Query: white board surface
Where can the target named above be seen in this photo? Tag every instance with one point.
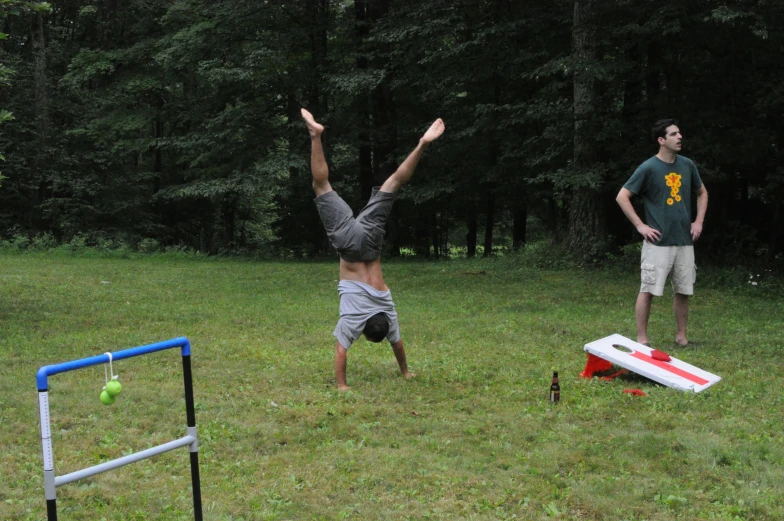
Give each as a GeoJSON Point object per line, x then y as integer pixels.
{"type": "Point", "coordinates": [636, 357]}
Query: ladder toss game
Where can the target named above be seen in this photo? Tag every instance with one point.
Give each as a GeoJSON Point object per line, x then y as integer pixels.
{"type": "Point", "coordinates": [190, 440]}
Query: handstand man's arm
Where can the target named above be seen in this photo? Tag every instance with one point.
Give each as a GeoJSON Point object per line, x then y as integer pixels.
{"type": "Point", "coordinates": [341, 361]}
{"type": "Point", "coordinates": [400, 356]}
{"type": "Point", "coordinates": [407, 167]}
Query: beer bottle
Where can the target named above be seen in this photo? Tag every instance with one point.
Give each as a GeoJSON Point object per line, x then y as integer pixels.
{"type": "Point", "coordinates": [555, 389]}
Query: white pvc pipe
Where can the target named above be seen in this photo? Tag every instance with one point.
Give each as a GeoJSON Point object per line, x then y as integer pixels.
{"type": "Point", "coordinates": [125, 460]}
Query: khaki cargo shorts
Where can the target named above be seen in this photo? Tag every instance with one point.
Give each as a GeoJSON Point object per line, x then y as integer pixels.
{"type": "Point", "coordinates": [659, 261]}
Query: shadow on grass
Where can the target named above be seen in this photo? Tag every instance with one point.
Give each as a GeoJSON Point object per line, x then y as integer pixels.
{"type": "Point", "coordinates": [626, 376]}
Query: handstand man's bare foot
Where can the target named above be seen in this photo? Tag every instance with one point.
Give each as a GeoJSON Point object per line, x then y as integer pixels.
{"type": "Point", "coordinates": [433, 133]}
{"type": "Point", "coordinates": [314, 129]}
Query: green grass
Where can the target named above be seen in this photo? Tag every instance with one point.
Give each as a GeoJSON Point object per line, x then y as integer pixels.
{"type": "Point", "coordinates": [471, 437]}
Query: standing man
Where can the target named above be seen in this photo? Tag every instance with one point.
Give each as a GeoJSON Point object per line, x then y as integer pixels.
{"type": "Point", "coordinates": [665, 182]}
{"type": "Point", "coordinates": [365, 300]}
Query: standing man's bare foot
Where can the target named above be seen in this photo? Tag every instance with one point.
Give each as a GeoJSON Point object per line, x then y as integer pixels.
{"type": "Point", "coordinates": [343, 388]}
{"type": "Point", "coordinates": [314, 129]}
{"type": "Point", "coordinates": [408, 375]}
{"type": "Point", "coordinates": [435, 130]}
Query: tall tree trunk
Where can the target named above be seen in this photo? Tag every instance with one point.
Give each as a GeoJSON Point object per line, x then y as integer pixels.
{"type": "Point", "coordinates": [319, 102]}
{"type": "Point", "coordinates": [377, 133]}
{"type": "Point", "coordinates": [493, 151]}
{"type": "Point", "coordinates": [632, 86]}
{"type": "Point", "coordinates": [422, 232]}
{"type": "Point", "coordinates": [520, 226]}
{"type": "Point", "coordinates": [319, 9]}
{"type": "Point", "coordinates": [586, 223]}
{"type": "Point", "coordinates": [489, 221]}
{"type": "Point", "coordinates": [653, 88]}
{"type": "Point", "coordinates": [384, 130]}
{"type": "Point", "coordinates": [633, 115]}
{"type": "Point", "coordinates": [229, 211]}
{"type": "Point", "coordinates": [384, 134]}
{"type": "Point", "coordinates": [40, 78]}
{"type": "Point", "coordinates": [443, 231]}
{"type": "Point", "coordinates": [471, 234]}
{"type": "Point", "coordinates": [157, 160]}
{"type": "Point", "coordinates": [41, 94]}
{"type": "Point", "coordinates": [361, 29]}
{"type": "Point", "coordinates": [378, 130]}
{"type": "Point", "coordinates": [775, 233]}
{"type": "Point", "coordinates": [366, 181]}
{"type": "Point", "coordinates": [435, 235]}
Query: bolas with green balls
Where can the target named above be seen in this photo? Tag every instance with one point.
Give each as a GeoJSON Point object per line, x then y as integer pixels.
{"type": "Point", "coordinates": [113, 387]}
{"type": "Point", "coordinates": [110, 392]}
{"type": "Point", "coordinates": [106, 398]}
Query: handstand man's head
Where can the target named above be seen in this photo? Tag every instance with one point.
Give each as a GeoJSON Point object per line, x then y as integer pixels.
{"type": "Point", "coordinates": [376, 328]}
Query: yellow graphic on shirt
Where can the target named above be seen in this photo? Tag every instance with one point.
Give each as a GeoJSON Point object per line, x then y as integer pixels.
{"type": "Point", "coordinates": [674, 182]}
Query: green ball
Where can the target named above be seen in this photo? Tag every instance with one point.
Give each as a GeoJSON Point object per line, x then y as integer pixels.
{"type": "Point", "coordinates": [106, 398]}
{"type": "Point", "coordinates": [113, 387]}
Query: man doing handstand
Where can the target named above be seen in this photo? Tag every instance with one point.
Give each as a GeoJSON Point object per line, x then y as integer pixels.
{"type": "Point", "coordinates": [365, 300]}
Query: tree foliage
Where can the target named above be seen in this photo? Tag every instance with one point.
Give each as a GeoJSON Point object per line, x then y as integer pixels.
{"type": "Point", "coordinates": [178, 121]}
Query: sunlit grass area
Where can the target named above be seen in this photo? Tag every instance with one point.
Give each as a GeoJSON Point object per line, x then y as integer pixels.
{"type": "Point", "coordinates": [471, 437]}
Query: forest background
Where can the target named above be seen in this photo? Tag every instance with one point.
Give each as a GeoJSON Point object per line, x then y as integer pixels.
{"type": "Point", "coordinates": [174, 124]}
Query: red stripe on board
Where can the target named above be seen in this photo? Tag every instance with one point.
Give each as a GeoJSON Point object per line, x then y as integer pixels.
{"type": "Point", "coordinates": [667, 367]}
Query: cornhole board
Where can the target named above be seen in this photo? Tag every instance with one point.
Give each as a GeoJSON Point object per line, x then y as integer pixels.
{"type": "Point", "coordinates": [636, 357]}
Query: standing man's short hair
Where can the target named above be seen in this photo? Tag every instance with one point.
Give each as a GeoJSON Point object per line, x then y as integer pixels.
{"type": "Point", "coordinates": [660, 129]}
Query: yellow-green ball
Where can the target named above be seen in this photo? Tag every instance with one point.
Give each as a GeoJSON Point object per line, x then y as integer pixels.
{"type": "Point", "coordinates": [106, 398]}
{"type": "Point", "coordinates": [113, 387]}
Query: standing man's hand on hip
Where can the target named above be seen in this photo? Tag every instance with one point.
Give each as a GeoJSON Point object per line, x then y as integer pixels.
{"type": "Point", "coordinates": [696, 231]}
{"type": "Point", "coordinates": [650, 234]}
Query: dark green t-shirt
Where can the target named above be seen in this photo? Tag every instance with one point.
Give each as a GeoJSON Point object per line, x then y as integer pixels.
{"type": "Point", "coordinates": [666, 190]}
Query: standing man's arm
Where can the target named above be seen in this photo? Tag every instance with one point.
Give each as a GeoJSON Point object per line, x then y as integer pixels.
{"type": "Point", "coordinates": [624, 201]}
{"type": "Point", "coordinates": [400, 356]}
{"type": "Point", "coordinates": [702, 207]}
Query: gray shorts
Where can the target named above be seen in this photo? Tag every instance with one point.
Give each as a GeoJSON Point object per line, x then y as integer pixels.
{"type": "Point", "coordinates": [356, 239]}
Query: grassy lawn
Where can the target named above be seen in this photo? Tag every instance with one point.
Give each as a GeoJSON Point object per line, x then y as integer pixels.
{"type": "Point", "coordinates": [471, 437]}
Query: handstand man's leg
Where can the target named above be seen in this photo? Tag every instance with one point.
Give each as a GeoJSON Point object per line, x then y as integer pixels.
{"type": "Point", "coordinates": [406, 168]}
{"type": "Point", "coordinates": [318, 164]}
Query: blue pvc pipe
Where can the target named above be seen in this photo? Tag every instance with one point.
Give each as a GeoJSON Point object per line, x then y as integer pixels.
{"type": "Point", "coordinates": [48, 370]}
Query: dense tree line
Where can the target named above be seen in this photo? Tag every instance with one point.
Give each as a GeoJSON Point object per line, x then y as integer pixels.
{"type": "Point", "coordinates": [178, 120]}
